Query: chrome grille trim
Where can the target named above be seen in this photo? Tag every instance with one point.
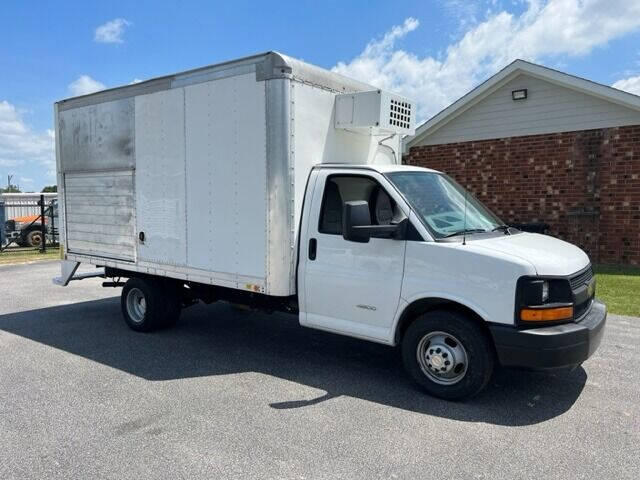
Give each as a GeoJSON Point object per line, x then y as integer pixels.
{"type": "Point", "coordinates": [582, 277]}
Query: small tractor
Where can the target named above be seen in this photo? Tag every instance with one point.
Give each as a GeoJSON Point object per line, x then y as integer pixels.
{"type": "Point", "coordinates": [27, 231]}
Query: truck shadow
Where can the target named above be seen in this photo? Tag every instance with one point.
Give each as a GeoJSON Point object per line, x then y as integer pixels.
{"type": "Point", "coordinates": [218, 340]}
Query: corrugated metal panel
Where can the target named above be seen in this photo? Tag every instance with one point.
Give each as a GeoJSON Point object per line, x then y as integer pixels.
{"type": "Point", "coordinates": [160, 177]}
{"type": "Point", "coordinates": [99, 213]}
{"type": "Point", "coordinates": [226, 171]}
{"type": "Point", "coordinates": [22, 204]}
{"type": "Point", "coordinates": [548, 108]}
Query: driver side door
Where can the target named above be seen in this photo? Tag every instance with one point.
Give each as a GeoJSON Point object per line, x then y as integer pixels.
{"type": "Point", "coordinates": [348, 287]}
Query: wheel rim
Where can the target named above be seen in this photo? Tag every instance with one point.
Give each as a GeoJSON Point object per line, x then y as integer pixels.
{"type": "Point", "coordinates": [136, 305]}
{"type": "Point", "coordinates": [442, 358]}
{"type": "Point", "coordinates": [36, 240]}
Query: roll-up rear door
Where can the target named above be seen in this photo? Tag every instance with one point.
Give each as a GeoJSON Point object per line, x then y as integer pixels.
{"type": "Point", "coordinates": [99, 214]}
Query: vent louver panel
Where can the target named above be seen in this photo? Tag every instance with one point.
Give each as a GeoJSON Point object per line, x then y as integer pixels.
{"type": "Point", "coordinates": [400, 114]}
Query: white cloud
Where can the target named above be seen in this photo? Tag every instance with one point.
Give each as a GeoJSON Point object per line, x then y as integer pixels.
{"type": "Point", "coordinates": [548, 29]}
{"type": "Point", "coordinates": [112, 31]}
{"type": "Point", "coordinates": [20, 144]}
{"type": "Point", "coordinates": [84, 85]}
{"type": "Point", "coordinates": [631, 85]}
{"type": "Point", "coordinates": [464, 12]}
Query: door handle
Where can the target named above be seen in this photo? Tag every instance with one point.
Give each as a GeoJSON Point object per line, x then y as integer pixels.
{"type": "Point", "coordinates": [313, 247]}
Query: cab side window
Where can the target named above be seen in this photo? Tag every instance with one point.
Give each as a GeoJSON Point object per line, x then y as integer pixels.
{"type": "Point", "coordinates": [331, 213]}
{"type": "Point", "coordinates": [346, 188]}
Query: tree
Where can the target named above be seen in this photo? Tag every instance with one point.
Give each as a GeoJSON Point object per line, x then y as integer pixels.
{"type": "Point", "coordinates": [50, 189]}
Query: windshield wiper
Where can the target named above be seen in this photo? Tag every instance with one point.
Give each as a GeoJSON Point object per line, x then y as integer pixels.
{"type": "Point", "coordinates": [504, 228]}
{"type": "Point", "coordinates": [469, 230]}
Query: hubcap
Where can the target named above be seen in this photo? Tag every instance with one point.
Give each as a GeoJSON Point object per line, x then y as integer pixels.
{"type": "Point", "coordinates": [442, 358]}
{"type": "Point", "coordinates": [136, 305]}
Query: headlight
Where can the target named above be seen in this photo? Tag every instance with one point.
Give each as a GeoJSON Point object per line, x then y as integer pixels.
{"type": "Point", "coordinates": [545, 291]}
{"type": "Point", "coordinates": [543, 300]}
{"type": "Point", "coordinates": [9, 225]}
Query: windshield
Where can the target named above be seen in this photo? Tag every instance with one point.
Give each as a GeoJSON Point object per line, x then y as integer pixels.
{"type": "Point", "coordinates": [440, 203]}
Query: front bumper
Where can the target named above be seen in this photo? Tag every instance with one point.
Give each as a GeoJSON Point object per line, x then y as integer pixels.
{"type": "Point", "coordinates": [558, 346]}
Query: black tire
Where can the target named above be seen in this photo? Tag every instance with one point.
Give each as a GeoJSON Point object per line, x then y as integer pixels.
{"type": "Point", "coordinates": [150, 304]}
{"type": "Point", "coordinates": [34, 238]}
{"type": "Point", "coordinates": [460, 338]}
{"type": "Point", "coordinates": [172, 303]}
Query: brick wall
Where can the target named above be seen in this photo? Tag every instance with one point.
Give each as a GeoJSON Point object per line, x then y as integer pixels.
{"type": "Point", "coordinates": [585, 184]}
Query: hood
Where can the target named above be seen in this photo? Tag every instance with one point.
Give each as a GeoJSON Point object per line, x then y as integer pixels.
{"type": "Point", "coordinates": [27, 218]}
{"type": "Point", "coordinates": [548, 255]}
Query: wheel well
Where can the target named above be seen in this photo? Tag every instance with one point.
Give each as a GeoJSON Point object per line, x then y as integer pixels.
{"type": "Point", "coordinates": [425, 305]}
{"type": "Point", "coordinates": [28, 231]}
{"type": "Point", "coordinates": [36, 227]}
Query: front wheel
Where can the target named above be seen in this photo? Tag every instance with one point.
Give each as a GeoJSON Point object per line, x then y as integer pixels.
{"type": "Point", "coordinates": [449, 355]}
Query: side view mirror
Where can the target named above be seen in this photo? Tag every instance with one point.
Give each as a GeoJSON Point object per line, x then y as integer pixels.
{"type": "Point", "coordinates": [355, 216]}
{"type": "Point", "coordinates": [356, 223]}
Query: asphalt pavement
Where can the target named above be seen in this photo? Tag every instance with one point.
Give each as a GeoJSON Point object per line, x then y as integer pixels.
{"type": "Point", "coordinates": [231, 394]}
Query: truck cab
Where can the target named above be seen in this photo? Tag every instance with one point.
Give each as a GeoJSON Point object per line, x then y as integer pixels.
{"type": "Point", "coordinates": [403, 255]}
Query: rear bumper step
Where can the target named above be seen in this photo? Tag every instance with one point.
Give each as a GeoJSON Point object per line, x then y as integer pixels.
{"type": "Point", "coordinates": [68, 269]}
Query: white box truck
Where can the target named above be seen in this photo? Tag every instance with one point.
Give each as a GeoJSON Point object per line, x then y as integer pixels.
{"type": "Point", "coordinates": [278, 185]}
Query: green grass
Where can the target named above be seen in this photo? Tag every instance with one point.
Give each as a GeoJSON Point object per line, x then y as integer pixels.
{"type": "Point", "coordinates": [619, 288]}
{"type": "Point", "coordinates": [26, 255]}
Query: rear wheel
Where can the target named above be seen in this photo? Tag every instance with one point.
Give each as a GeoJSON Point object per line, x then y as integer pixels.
{"type": "Point", "coordinates": [150, 304]}
{"type": "Point", "coordinates": [34, 238]}
{"type": "Point", "coordinates": [449, 355]}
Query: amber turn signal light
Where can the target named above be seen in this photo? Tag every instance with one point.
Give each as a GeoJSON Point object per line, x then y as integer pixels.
{"type": "Point", "coordinates": [546, 314]}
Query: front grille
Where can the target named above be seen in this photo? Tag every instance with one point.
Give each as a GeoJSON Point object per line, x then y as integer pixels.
{"type": "Point", "coordinates": [578, 285]}
{"type": "Point", "coordinates": [581, 278]}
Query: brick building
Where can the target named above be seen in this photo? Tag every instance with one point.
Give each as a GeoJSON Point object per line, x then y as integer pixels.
{"type": "Point", "coordinates": [538, 145]}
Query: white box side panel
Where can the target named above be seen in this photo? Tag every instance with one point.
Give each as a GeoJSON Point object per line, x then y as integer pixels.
{"type": "Point", "coordinates": [99, 214]}
{"type": "Point", "coordinates": [251, 197]}
{"type": "Point", "coordinates": [200, 171]}
{"type": "Point", "coordinates": [160, 177]}
{"type": "Point", "coordinates": [226, 176]}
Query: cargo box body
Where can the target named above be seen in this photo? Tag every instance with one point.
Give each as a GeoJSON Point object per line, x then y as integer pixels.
{"type": "Point", "coordinates": [201, 175]}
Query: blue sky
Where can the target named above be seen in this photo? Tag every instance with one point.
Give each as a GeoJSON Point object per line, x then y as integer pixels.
{"type": "Point", "coordinates": [432, 51]}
